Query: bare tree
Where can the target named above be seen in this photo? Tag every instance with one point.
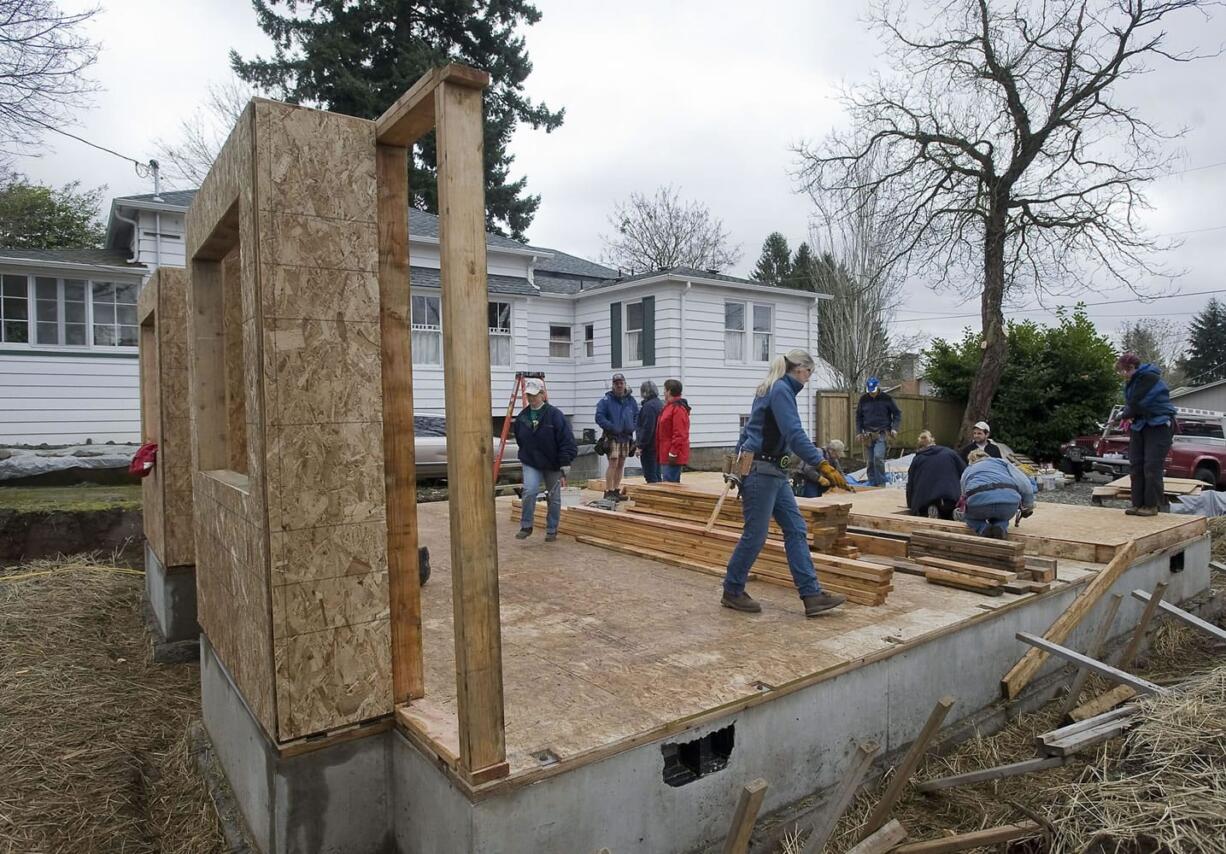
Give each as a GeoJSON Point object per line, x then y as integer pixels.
{"type": "Point", "coordinates": [43, 57]}
{"type": "Point", "coordinates": [1008, 158]}
{"type": "Point", "coordinates": [664, 231]}
{"type": "Point", "coordinates": [201, 136]}
{"type": "Point", "coordinates": [1159, 340]}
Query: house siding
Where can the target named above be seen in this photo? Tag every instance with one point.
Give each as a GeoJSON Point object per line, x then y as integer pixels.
{"type": "Point", "coordinates": [66, 399]}
{"type": "Point", "coordinates": [172, 244]}
{"type": "Point", "coordinates": [1212, 397]}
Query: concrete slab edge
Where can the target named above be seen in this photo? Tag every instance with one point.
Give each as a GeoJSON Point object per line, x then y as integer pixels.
{"type": "Point", "coordinates": [214, 778]}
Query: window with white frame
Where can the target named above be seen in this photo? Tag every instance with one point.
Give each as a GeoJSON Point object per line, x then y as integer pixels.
{"type": "Point", "coordinates": [559, 342]}
{"type": "Point", "coordinates": [634, 333]}
{"type": "Point", "coordinates": [500, 333]}
{"type": "Point", "coordinates": [46, 311]}
{"type": "Point", "coordinates": [749, 331]}
{"type": "Point", "coordinates": [589, 340]}
{"type": "Point", "coordinates": [427, 331]}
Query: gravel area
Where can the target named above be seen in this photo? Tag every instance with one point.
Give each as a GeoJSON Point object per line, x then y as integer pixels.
{"type": "Point", "coordinates": [1077, 493]}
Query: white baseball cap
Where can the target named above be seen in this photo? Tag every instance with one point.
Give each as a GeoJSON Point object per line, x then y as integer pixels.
{"type": "Point", "coordinates": [983, 425]}
{"type": "Point", "coordinates": [533, 386]}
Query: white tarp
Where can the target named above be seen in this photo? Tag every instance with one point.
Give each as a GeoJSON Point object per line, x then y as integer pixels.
{"type": "Point", "coordinates": [27, 462]}
{"type": "Point", "coordinates": [1207, 503]}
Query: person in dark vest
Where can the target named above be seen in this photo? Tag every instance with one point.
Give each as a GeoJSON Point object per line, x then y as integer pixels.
{"type": "Point", "coordinates": [673, 433]}
{"type": "Point", "coordinates": [980, 438]}
{"type": "Point", "coordinates": [772, 432]}
{"type": "Point", "coordinates": [934, 479]}
{"type": "Point", "coordinates": [877, 417]}
{"type": "Point", "coordinates": [617, 414]}
{"type": "Point", "coordinates": [546, 450]}
{"type": "Point", "coordinates": [1150, 419]}
{"type": "Point", "coordinates": [645, 432]}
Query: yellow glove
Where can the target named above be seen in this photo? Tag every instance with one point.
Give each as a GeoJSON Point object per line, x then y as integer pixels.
{"type": "Point", "coordinates": [832, 474]}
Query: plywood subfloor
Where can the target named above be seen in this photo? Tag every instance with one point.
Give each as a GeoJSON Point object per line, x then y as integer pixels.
{"type": "Point", "coordinates": [601, 649]}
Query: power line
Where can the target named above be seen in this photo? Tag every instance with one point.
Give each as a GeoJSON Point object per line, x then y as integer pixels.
{"type": "Point", "coordinates": [140, 166]}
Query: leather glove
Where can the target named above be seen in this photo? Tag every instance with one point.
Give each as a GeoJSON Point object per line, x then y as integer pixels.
{"type": "Point", "coordinates": [833, 475]}
{"type": "Point", "coordinates": [1027, 512]}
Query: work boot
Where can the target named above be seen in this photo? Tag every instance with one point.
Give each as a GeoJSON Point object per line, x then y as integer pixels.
{"type": "Point", "coordinates": [995, 532]}
{"type": "Point", "coordinates": [740, 602]}
{"type": "Point", "coordinates": [523, 534]}
{"type": "Point", "coordinates": [609, 495]}
{"type": "Point", "coordinates": [1147, 511]}
{"type": "Point", "coordinates": [549, 538]}
{"type": "Point", "coordinates": [1132, 511]}
{"type": "Point", "coordinates": [819, 602]}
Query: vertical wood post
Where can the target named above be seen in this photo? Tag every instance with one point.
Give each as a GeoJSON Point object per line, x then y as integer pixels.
{"type": "Point", "coordinates": [466, 377]}
{"type": "Point", "coordinates": [399, 465]}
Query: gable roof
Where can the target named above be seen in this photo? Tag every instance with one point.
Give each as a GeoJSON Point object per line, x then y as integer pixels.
{"type": "Point", "coordinates": [179, 198]}
{"type": "Point", "coordinates": [80, 257]}
{"type": "Point", "coordinates": [428, 277]}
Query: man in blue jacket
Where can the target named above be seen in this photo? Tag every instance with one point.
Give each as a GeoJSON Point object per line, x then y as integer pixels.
{"type": "Point", "coordinates": [995, 490]}
{"type": "Point", "coordinates": [546, 449]}
{"type": "Point", "coordinates": [645, 433]}
{"type": "Point", "coordinates": [877, 415]}
{"type": "Point", "coordinates": [617, 415]}
{"type": "Point", "coordinates": [1147, 405]}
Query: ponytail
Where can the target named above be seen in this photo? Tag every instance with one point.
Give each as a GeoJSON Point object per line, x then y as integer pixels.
{"type": "Point", "coordinates": [780, 365]}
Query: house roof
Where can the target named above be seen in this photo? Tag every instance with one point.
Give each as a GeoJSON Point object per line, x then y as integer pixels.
{"type": "Point", "coordinates": [565, 264]}
{"type": "Point", "coordinates": [428, 277]}
{"type": "Point", "coordinates": [182, 198]}
{"type": "Point", "coordinates": [81, 257]}
{"type": "Point", "coordinates": [1180, 392]}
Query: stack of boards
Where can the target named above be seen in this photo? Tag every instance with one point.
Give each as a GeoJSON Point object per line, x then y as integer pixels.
{"type": "Point", "coordinates": [1172, 487]}
{"type": "Point", "coordinates": [825, 519]}
{"type": "Point", "coordinates": [688, 545]}
{"type": "Point", "coordinates": [978, 563]}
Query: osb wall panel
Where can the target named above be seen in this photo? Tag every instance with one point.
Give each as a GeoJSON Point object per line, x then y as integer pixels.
{"type": "Point", "coordinates": [322, 400]}
{"type": "Point", "coordinates": [174, 454]}
{"type": "Point", "coordinates": [236, 376]}
{"type": "Point", "coordinates": [150, 417]}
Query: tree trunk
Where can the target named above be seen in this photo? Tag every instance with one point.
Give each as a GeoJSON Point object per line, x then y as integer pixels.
{"type": "Point", "coordinates": [995, 341]}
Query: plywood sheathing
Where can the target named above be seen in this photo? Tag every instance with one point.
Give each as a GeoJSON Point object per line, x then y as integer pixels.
{"type": "Point", "coordinates": [167, 492]}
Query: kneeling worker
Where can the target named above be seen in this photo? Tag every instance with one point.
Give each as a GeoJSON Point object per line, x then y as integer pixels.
{"type": "Point", "coordinates": [994, 490]}
{"type": "Point", "coordinates": [815, 481]}
{"type": "Point", "coordinates": [546, 449]}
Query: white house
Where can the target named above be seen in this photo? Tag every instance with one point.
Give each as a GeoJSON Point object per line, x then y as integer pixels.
{"type": "Point", "coordinates": [576, 321]}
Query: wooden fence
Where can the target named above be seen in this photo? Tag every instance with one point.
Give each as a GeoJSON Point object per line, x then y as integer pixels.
{"type": "Point", "coordinates": [836, 411]}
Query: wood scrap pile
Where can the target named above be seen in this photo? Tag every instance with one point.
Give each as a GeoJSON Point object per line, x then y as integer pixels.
{"type": "Point", "coordinates": [686, 544]}
{"type": "Point", "coordinates": [825, 519]}
{"type": "Point", "coordinates": [979, 564]}
{"type": "Point", "coordinates": [1172, 487]}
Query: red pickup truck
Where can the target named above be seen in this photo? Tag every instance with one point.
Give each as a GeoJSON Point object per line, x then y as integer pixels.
{"type": "Point", "coordinates": [1198, 451]}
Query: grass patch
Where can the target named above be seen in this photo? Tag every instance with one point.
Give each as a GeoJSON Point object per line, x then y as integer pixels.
{"type": "Point", "coordinates": [83, 497]}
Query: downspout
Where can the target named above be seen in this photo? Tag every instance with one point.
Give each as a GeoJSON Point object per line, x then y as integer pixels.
{"type": "Point", "coordinates": [688, 285]}
{"type": "Point", "coordinates": [157, 245]}
{"type": "Point", "coordinates": [135, 235]}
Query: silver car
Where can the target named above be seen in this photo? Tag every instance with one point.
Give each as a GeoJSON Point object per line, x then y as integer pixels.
{"type": "Point", "coordinates": [430, 448]}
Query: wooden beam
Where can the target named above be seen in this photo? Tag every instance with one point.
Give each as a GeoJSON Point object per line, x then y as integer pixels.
{"type": "Point", "coordinates": [1102, 703]}
{"type": "Point", "coordinates": [399, 465]}
{"type": "Point", "coordinates": [824, 826]}
{"type": "Point", "coordinates": [881, 813]}
{"type": "Point", "coordinates": [1141, 685]}
{"type": "Point", "coordinates": [1138, 634]}
{"type": "Point", "coordinates": [1095, 651]}
{"type": "Point", "coordinates": [466, 383]}
{"type": "Point", "coordinates": [1183, 616]}
{"type": "Point", "coordinates": [746, 814]}
{"type": "Point", "coordinates": [1082, 735]}
{"type": "Point", "coordinates": [413, 115]}
{"type": "Point", "coordinates": [882, 840]}
{"type": "Point", "coordinates": [975, 839]}
{"type": "Point", "coordinates": [1026, 668]}
{"type": "Point", "coordinates": [1000, 772]}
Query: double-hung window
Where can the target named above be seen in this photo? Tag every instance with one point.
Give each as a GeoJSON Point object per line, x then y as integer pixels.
{"type": "Point", "coordinates": [559, 342]}
{"type": "Point", "coordinates": [749, 330]}
{"type": "Point", "coordinates": [634, 333]}
{"type": "Point", "coordinates": [589, 340]}
{"type": "Point", "coordinates": [46, 311]}
{"type": "Point", "coordinates": [427, 331]}
{"type": "Point", "coordinates": [15, 310]}
{"type": "Point", "coordinates": [763, 331]}
{"type": "Point", "coordinates": [500, 334]}
{"type": "Point", "coordinates": [114, 310]}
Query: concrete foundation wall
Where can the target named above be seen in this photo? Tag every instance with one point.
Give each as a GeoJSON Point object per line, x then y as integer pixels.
{"type": "Point", "coordinates": [380, 794]}
{"type": "Point", "coordinates": [171, 593]}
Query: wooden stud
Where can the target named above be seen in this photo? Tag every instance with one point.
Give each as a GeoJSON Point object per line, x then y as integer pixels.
{"type": "Point", "coordinates": [466, 361]}
{"type": "Point", "coordinates": [413, 114]}
{"type": "Point", "coordinates": [1102, 703]}
{"type": "Point", "coordinates": [824, 826]}
{"type": "Point", "coordinates": [902, 774]}
{"type": "Point", "coordinates": [882, 840]}
{"type": "Point", "coordinates": [746, 814]}
{"type": "Point", "coordinates": [1028, 666]}
{"type": "Point", "coordinates": [1079, 736]}
{"type": "Point", "coordinates": [1095, 651]}
{"type": "Point", "coordinates": [1183, 616]}
{"type": "Point", "coordinates": [975, 839]}
{"type": "Point", "coordinates": [1141, 685]}
{"type": "Point", "coordinates": [1138, 635]}
{"type": "Point", "coordinates": [1000, 772]}
{"type": "Point", "coordinates": [399, 465]}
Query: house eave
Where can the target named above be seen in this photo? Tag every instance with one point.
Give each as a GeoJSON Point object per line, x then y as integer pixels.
{"type": "Point", "coordinates": [136, 273]}
{"type": "Point", "coordinates": [677, 278]}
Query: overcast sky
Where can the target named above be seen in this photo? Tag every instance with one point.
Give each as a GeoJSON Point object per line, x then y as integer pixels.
{"type": "Point", "coordinates": [707, 96]}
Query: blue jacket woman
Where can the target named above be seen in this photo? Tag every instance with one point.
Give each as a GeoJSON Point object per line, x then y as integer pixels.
{"type": "Point", "coordinates": [772, 432]}
{"type": "Point", "coordinates": [1147, 404]}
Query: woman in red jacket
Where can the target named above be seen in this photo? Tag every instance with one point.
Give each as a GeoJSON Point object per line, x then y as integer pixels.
{"type": "Point", "coordinates": [673, 433]}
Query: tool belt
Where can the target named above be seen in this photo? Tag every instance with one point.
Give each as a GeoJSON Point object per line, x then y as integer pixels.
{"type": "Point", "coordinates": [783, 461]}
{"type": "Point", "coordinates": [987, 487]}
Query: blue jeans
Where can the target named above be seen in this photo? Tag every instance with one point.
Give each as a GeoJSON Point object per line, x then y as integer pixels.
{"type": "Point", "coordinates": [670, 473]}
{"type": "Point", "coordinates": [651, 466]}
{"type": "Point", "coordinates": [997, 514]}
{"type": "Point", "coordinates": [533, 478]}
{"type": "Point", "coordinates": [764, 495]}
{"type": "Point", "coordinates": [876, 461]}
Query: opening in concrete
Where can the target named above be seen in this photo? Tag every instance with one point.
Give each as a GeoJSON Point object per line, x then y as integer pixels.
{"type": "Point", "coordinates": [1176, 564]}
{"type": "Point", "coordinates": [688, 761]}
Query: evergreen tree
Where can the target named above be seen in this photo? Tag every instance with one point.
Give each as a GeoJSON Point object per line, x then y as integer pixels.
{"type": "Point", "coordinates": [1206, 359]}
{"type": "Point", "coordinates": [804, 274]}
{"type": "Point", "coordinates": [774, 264]}
{"type": "Point", "coordinates": [358, 58]}
{"type": "Point", "coordinates": [36, 217]}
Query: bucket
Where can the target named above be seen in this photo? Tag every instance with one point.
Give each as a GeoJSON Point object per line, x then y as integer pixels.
{"type": "Point", "coordinates": [571, 496]}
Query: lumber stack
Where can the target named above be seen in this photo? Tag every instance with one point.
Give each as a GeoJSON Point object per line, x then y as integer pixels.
{"type": "Point", "coordinates": [826, 520]}
{"type": "Point", "coordinates": [1005, 555]}
{"type": "Point", "coordinates": [688, 545]}
{"type": "Point", "coordinates": [966, 576]}
{"type": "Point", "coordinates": [1172, 487]}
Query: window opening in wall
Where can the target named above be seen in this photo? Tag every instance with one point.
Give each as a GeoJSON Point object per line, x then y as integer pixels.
{"type": "Point", "coordinates": [500, 333]}
{"type": "Point", "coordinates": [14, 310]}
{"type": "Point", "coordinates": [734, 331]}
{"type": "Point", "coordinates": [427, 331]}
{"type": "Point", "coordinates": [589, 340]}
{"type": "Point", "coordinates": [685, 762]}
{"type": "Point", "coordinates": [634, 332]}
{"type": "Point", "coordinates": [559, 342]}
